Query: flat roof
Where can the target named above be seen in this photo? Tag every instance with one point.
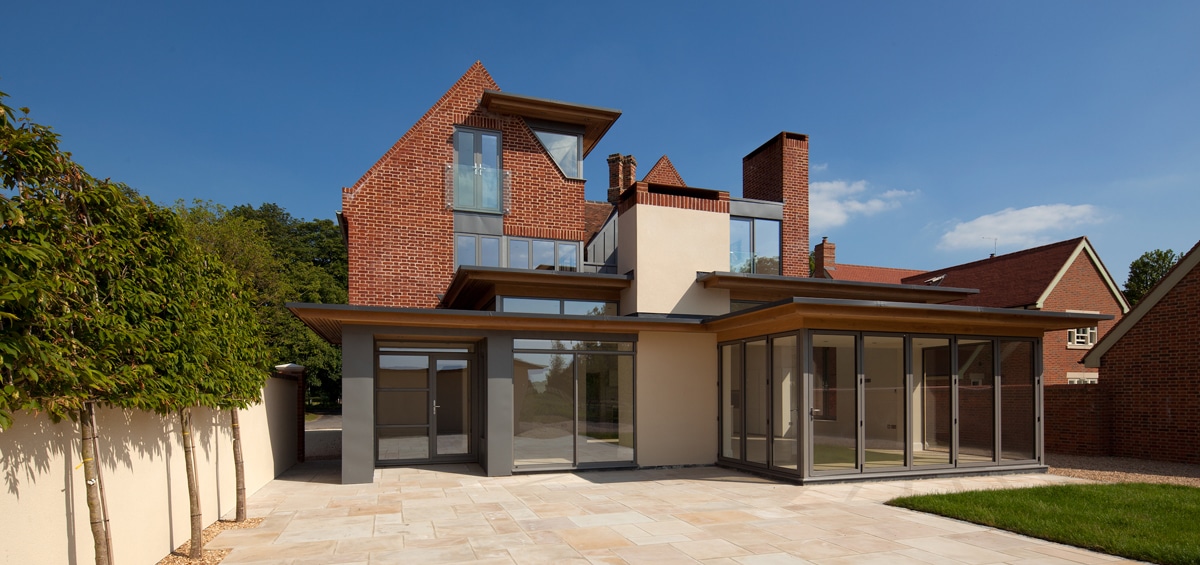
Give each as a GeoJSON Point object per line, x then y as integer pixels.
{"type": "Point", "coordinates": [749, 286]}
{"type": "Point", "coordinates": [595, 120]}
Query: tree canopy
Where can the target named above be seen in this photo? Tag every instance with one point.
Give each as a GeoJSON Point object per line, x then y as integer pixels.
{"type": "Point", "coordinates": [1146, 271]}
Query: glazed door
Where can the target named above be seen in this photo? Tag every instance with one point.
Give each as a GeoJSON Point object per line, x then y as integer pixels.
{"type": "Point", "coordinates": [422, 408]}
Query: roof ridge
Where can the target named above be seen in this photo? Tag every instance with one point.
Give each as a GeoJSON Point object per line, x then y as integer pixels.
{"type": "Point", "coordinates": [1007, 256]}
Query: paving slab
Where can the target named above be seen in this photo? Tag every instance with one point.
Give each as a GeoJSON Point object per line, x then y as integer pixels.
{"type": "Point", "coordinates": [455, 514]}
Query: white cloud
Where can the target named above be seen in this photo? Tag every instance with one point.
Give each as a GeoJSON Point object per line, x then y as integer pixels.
{"type": "Point", "coordinates": [819, 167]}
{"type": "Point", "coordinates": [1022, 228]}
{"type": "Point", "coordinates": [833, 203]}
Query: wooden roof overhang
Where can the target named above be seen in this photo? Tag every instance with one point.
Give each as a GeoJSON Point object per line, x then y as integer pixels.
{"type": "Point", "coordinates": [328, 319]}
{"type": "Point", "coordinates": [769, 288]}
{"type": "Point", "coordinates": [882, 316]}
{"type": "Point", "coordinates": [473, 287]}
{"type": "Point", "coordinates": [595, 120]}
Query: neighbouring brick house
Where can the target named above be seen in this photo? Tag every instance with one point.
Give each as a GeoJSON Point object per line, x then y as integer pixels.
{"type": "Point", "coordinates": [1067, 276]}
{"type": "Point", "coordinates": [1147, 404]}
{"type": "Point", "coordinates": [497, 317]}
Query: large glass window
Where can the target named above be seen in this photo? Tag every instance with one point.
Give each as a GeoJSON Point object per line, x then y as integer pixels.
{"type": "Point", "coordinates": [558, 306]}
{"type": "Point", "coordinates": [835, 417]}
{"type": "Point", "coordinates": [477, 173]}
{"type": "Point", "coordinates": [494, 251]}
{"type": "Point", "coordinates": [731, 401]}
{"type": "Point", "coordinates": [471, 249]}
{"type": "Point", "coordinates": [785, 378]}
{"type": "Point", "coordinates": [976, 401]}
{"type": "Point", "coordinates": [883, 401]}
{"type": "Point", "coordinates": [757, 409]}
{"type": "Point", "coordinates": [1018, 407]}
{"type": "Point", "coordinates": [754, 246]}
{"type": "Point", "coordinates": [565, 149]}
{"type": "Point", "coordinates": [933, 417]}
{"type": "Point", "coordinates": [572, 403]}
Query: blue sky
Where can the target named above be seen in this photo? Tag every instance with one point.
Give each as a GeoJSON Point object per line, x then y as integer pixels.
{"type": "Point", "coordinates": [934, 126]}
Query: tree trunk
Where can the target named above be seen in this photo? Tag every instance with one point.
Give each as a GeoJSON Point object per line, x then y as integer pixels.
{"type": "Point", "coordinates": [189, 457]}
{"type": "Point", "coordinates": [239, 466]}
{"type": "Point", "coordinates": [87, 428]}
{"type": "Point", "coordinates": [108, 544]}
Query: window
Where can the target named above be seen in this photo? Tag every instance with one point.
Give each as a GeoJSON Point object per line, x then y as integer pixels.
{"type": "Point", "coordinates": [558, 306]}
{"type": "Point", "coordinates": [476, 170]}
{"type": "Point", "coordinates": [1081, 338]}
{"type": "Point", "coordinates": [565, 149]}
{"type": "Point", "coordinates": [754, 246]}
{"type": "Point", "coordinates": [517, 253]}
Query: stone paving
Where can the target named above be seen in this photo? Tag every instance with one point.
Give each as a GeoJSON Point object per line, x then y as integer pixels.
{"type": "Point", "coordinates": [454, 514]}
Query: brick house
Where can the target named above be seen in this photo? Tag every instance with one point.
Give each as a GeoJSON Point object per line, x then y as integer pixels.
{"type": "Point", "coordinates": [1148, 403]}
{"type": "Point", "coordinates": [1067, 276]}
{"type": "Point", "coordinates": [498, 318]}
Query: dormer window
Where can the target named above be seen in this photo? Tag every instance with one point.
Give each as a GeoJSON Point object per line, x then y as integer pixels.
{"type": "Point", "coordinates": [564, 143]}
{"type": "Point", "coordinates": [476, 170]}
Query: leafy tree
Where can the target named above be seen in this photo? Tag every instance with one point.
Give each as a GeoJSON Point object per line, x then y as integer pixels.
{"type": "Point", "coordinates": [1146, 271]}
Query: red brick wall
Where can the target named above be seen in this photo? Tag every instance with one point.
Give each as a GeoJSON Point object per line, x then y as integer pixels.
{"type": "Point", "coordinates": [1077, 419]}
{"type": "Point", "coordinates": [401, 236]}
{"type": "Point", "coordinates": [778, 171]}
{"type": "Point", "coordinates": [1081, 288]}
{"type": "Point", "coordinates": [1152, 376]}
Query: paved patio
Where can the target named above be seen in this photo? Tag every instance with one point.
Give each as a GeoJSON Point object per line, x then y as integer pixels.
{"type": "Point", "coordinates": [452, 513]}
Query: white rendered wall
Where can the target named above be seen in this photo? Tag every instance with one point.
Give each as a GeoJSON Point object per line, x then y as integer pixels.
{"type": "Point", "coordinates": [676, 398]}
{"type": "Point", "coordinates": [665, 248]}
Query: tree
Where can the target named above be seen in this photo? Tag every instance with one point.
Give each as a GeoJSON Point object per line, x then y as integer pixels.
{"type": "Point", "coordinates": [1146, 271]}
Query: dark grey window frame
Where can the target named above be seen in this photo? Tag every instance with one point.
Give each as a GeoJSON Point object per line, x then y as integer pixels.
{"type": "Point", "coordinates": [478, 146]}
{"type": "Point", "coordinates": [561, 129]}
{"type": "Point", "coordinates": [562, 303]}
{"type": "Point", "coordinates": [504, 250]}
{"type": "Point", "coordinates": [754, 242]}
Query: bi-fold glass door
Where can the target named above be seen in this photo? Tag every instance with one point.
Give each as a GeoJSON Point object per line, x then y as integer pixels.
{"type": "Point", "coordinates": [760, 414]}
{"type": "Point", "coordinates": [423, 408]}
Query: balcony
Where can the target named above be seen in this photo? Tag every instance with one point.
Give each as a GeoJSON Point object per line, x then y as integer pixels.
{"type": "Point", "coordinates": [477, 188]}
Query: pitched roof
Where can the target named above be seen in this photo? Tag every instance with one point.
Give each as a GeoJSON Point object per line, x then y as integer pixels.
{"type": "Point", "coordinates": [867, 273]}
{"type": "Point", "coordinates": [663, 172]}
{"type": "Point", "coordinates": [595, 214]}
{"type": "Point", "coordinates": [1021, 279]}
{"type": "Point", "coordinates": [1186, 265]}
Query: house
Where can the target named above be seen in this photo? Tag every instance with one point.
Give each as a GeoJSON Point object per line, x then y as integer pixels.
{"type": "Point", "coordinates": [497, 317]}
{"type": "Point", "coordinates": [1149, 367]}
{"type": "Point", "coordinates": [1067, 276]}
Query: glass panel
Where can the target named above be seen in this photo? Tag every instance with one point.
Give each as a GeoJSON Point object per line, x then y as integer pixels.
{"type": "Point", "coordinates": [557, 344]}
{"type": "Point", "coordinates": [564, 149]}
{"type": "Point", "coordinates": [402, 407]}
{"type": "Point", "coordinates": [976, 402]}
{"type": "Point", "coordinates": [403, 443]}
{"type": "Point", "coordinates": [932, 425]}
{"type": "Point", "coordinates": [785, 379]}
{"type": "Point", "coordinates": [403, 371]}
{"type": "Point", "coordinates": [426, 346]}
{"type": "Point", "coordinates": [766, 246]}
{"type": "Point", "coordinates": [589, 308]}
{"type": "Point", "coordinates": [757, 409]}
{"type": "Point", "coordinates": [543, 409]}
{"type": "Point", "coordinates": [543, 255]}
{"type": "Point", "coordinates": [531, 305]}
{"type": "Point", "coordinates": [835, 405]}
{"type": "Point", "coordinates": [1018, 410]}
{"type": "Point", "coordinates": [489, 251]}
{"type": "Point", "coordinates": [518, 253]}
{"type": "Point", "coordinates": [740, 260]}
{"type": "Point", "coordinates": [604, 432]}
{"type": "Point", "coordinates": [464, 250]}
{"type": "Point", "coordinates": [567, 253]}
{"type": "Point", "coordinates": [452, 407]}
{"type": "Point", "coordinates": [489, 160]}
{"type": "Point", "coordinates": [883, 398]}
{"type": "Point", "coordinates": [464, 169]}
{"type": "Point", "coordinates": [731, 401]}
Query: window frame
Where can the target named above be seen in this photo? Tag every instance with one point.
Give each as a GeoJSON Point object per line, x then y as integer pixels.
{"type": "Point", "coordinates": [536, 126]}
{"type": "Point", "coordinates": [505, 243]}
{"type": "Point", "coordinates": [478, 188]}
{"type": "Point", "coordinates": [753, 232]}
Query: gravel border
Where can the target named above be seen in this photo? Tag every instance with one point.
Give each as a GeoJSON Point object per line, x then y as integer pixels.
{"type": "Point", "coordinates": [1123, 470]}
{"type": "Point", "coordinates": [208, 556]}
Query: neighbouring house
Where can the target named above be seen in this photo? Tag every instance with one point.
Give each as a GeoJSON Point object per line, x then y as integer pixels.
{"type": "Point", "coordinates": [1067, 276]}
{"type": "Point", "coordinates": [1149, 367]}
{"type": "Point", "coordinates": [497, 317]}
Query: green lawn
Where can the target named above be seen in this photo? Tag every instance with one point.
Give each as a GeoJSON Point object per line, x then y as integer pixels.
{"type": "Point", "coordinates": [1149, 522]}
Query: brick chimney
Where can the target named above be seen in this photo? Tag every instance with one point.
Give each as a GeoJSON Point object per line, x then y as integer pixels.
{"type": "Point", "coordinates": [824, 257]}
{"type": "Point", "coordinates": [778, 171]}
{"type": "Point", "coordinates": [622, 173]}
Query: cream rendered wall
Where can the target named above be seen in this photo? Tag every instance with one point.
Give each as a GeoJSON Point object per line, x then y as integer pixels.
{"type": "Point", "coordinates": [676, 398]}
{"type": "Point", "coordinates": [144, 477]}
{"type": "Point", "coordinates": [665, 247]}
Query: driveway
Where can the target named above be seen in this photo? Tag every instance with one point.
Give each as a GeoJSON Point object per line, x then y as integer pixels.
{"type": "Point", "coordinates": [452, 514]}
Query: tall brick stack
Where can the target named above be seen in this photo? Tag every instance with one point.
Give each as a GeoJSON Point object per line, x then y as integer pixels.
{"type": "Point", "coordinates": [778, 171]}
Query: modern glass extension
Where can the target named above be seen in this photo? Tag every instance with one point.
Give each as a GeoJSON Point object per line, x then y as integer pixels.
{"type": "Point", "coordinates": [821, 403]}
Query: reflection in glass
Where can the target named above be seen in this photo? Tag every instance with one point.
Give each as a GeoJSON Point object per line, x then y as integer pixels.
{"type": "Point", "coordinates": [1018, 411]}
{"type": "Point", "coordinates": [604, 431]}
{"type": "Point", "coordinates": [883, 398]}
{"type": "Point", "coordinates": [403, 371]}
{"type": "Point", "coordinates": [452, 407]}
{"type": "Point", "coordinates": [401, 444]}
{"type": "Point", "coordinates": [489, 172]}
{"type": "Point", "coordinates": [464, 250]}
{"type": "Point", "coordinates": [530, 305]}
{"type": "Point", "coordinates": [766, 246]}
{"type": "Point", "coordinates": [835, 410]}
{"type": "Point", "coordinates": [544, 409]}
{"type": "Point", "coordinates": [589, 308]}
{"type": "Point", "coordinates": [567, 253]}
{"type": "Point", "coordinates": [757, 409]}
{"type": "Point", "coordinates": [564, 149]}
{"type": "Point", "coordinates": [932, 425]}
{"type": "Point", "coordinates": [785, 377]}
{"type": "Point", "coordinates": [976, 401]}
{"type": "Point", "coordinates": [518, 253]}
{"type": "Point", "coordinates": [543, 255]}
{"type": "Point", "coordinates": [740, 258]}
{"type": "Point", "coordinates": [489, 251]}
{"type": "Point", "coordinates": [731, 401]}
